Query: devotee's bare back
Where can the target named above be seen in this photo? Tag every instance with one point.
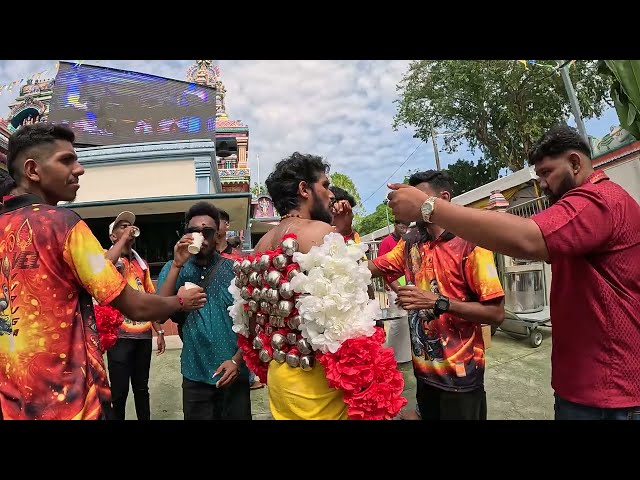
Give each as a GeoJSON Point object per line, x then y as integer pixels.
{"type": "Point", "coordinates": [309, 232]}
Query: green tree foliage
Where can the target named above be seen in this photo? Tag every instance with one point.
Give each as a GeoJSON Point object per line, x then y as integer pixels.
{"type": "Point", "coordinates": [375, 220]}
{"type": "Point", "coordinates": [625, 92]}
{"type": "Point", "coordinates": [498, 106]}
{"type": "Point", "coordinates": [344, 181]}
{"type": "Point", "coordinates": [466, 175]}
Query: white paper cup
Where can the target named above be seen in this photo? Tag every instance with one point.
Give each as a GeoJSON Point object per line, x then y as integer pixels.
{"type": "Point", "coordinates": [194, 248]}
{"type": "Point", "coordinates": [190, 285]}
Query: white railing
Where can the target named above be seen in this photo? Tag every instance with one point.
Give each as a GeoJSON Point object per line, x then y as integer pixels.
{"type": "Point", "coordinates": [378, 283]}
{"type": "Point", "coordinates": [530, 208]}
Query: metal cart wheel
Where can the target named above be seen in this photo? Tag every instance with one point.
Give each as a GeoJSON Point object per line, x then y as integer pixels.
{"type": "Point", "coordinates": [535, 339]}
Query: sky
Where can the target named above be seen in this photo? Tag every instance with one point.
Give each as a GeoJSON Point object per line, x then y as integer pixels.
{"type": "Point", "coordinates": [342, 110]}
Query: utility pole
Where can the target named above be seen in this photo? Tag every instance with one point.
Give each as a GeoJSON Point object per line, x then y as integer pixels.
{"type": "Point", "coordinates": [435, 147]}
{"type": "Point", "coordinates": [573, 100]}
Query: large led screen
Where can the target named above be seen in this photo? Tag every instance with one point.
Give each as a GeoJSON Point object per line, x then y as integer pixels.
{"type": "Point", "coordinates": [105, 106]}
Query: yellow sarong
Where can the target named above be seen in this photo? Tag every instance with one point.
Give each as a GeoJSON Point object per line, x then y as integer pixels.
{"type": "Point", "coordinates": [298, 395]}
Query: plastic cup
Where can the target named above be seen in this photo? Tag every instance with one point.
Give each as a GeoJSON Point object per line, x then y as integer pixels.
{"type": "Point", "coordinates": [189, 285]}
{"type": "Point", "coordinates": [194, 248]}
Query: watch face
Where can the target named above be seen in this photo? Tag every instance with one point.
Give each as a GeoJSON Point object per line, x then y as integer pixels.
{"type": "Point", "coordinates": [426, 210]}
{"type": "Point", "coordinates": [441, 304]}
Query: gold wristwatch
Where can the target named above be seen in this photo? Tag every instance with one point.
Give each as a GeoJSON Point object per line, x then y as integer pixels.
{"type": "Point", "coordinates": [427, 209]}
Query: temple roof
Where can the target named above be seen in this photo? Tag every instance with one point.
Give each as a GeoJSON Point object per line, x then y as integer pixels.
{"type": "Point", "coordinates": [204, 72]}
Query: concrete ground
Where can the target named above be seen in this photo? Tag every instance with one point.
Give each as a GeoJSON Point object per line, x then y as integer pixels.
{"type": "Point", "coordinates": [517, 381]}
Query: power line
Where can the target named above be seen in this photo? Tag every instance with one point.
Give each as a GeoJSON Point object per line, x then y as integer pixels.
{"type": "Point", "coordinates": [400, 166]}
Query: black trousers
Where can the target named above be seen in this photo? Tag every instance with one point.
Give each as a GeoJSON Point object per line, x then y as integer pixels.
{"type": "Point", "coordinates": [201, 401]}
{"type": "Point", "coordinates": [436, 404]}
{"type": "Point", "coordinates": [130, 360]}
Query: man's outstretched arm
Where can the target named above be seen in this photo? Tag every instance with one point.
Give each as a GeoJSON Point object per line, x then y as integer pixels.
{"type": "Point", "coordinates": [499, 232]}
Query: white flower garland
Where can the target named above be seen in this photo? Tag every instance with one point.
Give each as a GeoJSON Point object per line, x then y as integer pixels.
{"type": "Point", "coordinates": [335, 304]}
{"type": "Point", "coordinates": [236, 311]}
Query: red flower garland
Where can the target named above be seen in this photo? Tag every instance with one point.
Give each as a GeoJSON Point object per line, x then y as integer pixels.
{"type": "Point", "coordinates": [252, 360]}
{"type": "Point", "coordinates": [108, 320]}
{"type": "Point", "coordinates": [366, 372]}
{"type": "Point", "coordinates": [362, 368]}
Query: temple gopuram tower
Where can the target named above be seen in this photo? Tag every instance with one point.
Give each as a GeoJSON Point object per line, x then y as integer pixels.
{"type": "Point", "coordinates": [32, 103]}
{"type": "Point", "coordinates": [232, 136]}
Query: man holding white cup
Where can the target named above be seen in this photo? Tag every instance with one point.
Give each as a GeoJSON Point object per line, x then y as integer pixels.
{"type": "Point", "coordinates": [215, 382]}
{"type": "Point", "coordinates": [130, 358]}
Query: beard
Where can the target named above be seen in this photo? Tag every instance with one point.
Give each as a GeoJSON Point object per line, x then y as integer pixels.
{"type": "Point", "coordinates": [320, 212]}
{"type": "Point", "coordinates": [568, 183]}
{"type": "Point", "coordinates": [206, 253]}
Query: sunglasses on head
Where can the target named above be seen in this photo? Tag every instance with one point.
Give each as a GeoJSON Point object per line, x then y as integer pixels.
{"type": "Point", "coordinates": [206, 231]}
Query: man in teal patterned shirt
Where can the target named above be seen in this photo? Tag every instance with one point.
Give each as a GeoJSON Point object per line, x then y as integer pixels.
{"type": "Point", "coordinates": [215, 381]}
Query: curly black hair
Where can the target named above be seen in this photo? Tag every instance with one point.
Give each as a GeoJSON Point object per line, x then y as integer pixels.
{"type": "Point", "coordinates": [556, 141]}
{"type": "Point", "coordinates": [203, 209]}
{"type": "Point", "coordinates": [439, 180]}
{"type": "Point", "coordinates": [342, 194]}
{"type": "Point", "coordinates": [283, 182]}
{"type": "Point", "coordinates": [30, 137]}
{"type": "Point", "coordinates": [7, 183]}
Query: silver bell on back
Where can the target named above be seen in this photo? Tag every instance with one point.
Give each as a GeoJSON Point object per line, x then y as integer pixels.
{"type": "Point", "coordinates": [245, 266]}
{"type": "Point", "coordinates": [294, 322]}
{"type": "Point", "coordinates": [264, 262]}
{"type": "Point", "coordinates": [272, 296]}
{"type": "Point", "coordinates": [264, 356]}
{"type": "Point", "coordinates": [307, 362]}
{"type": "Point", "coordinates": [304, 346]}
{"type": "Point", "coordinates": [253, 278]}
{"type": "Point", "coordinates": [279, 356]}
{"type": "Point", "coordinates": [293, 360]}
{"type": "Point", "coordinates": [289, 246]}
{"type": "Point", "coordinates": [280, 261]}
{"type": "Point", "coordinates": [277, 341]}
{"type": "Point", "coordinates": [285, 307]}
{"type": "Point", "coordinates": [285, 290]}
{"type": "Point", "coordinates": [256, 294]}
{"type": "Point", "coordinates": [273, 278]}
{"type": "Point", "coordinates": [236, 267]}
{"type": "Point", "coordinates": [244, 293]}
{"type": "Point", "coordinates": [292, 273]}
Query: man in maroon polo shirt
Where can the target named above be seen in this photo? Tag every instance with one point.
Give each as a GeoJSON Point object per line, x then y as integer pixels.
{"type": "Point", "coordinates": [591, 237]}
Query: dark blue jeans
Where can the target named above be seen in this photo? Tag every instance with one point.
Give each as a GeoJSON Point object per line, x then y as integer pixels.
{"type": "Point", "coordinates": [566, 410]}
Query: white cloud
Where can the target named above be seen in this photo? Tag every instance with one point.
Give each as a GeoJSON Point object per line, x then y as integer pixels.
{"type": "Point", "coordinates": [342, 110]}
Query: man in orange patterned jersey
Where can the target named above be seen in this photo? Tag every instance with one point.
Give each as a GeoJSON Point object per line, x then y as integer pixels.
{"type": "Point", "coordinates": [452, 289]}
{"type": "Point", "coordinates": [51, 266]}
{"type": "Point", "coordinates": [130, 357]}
